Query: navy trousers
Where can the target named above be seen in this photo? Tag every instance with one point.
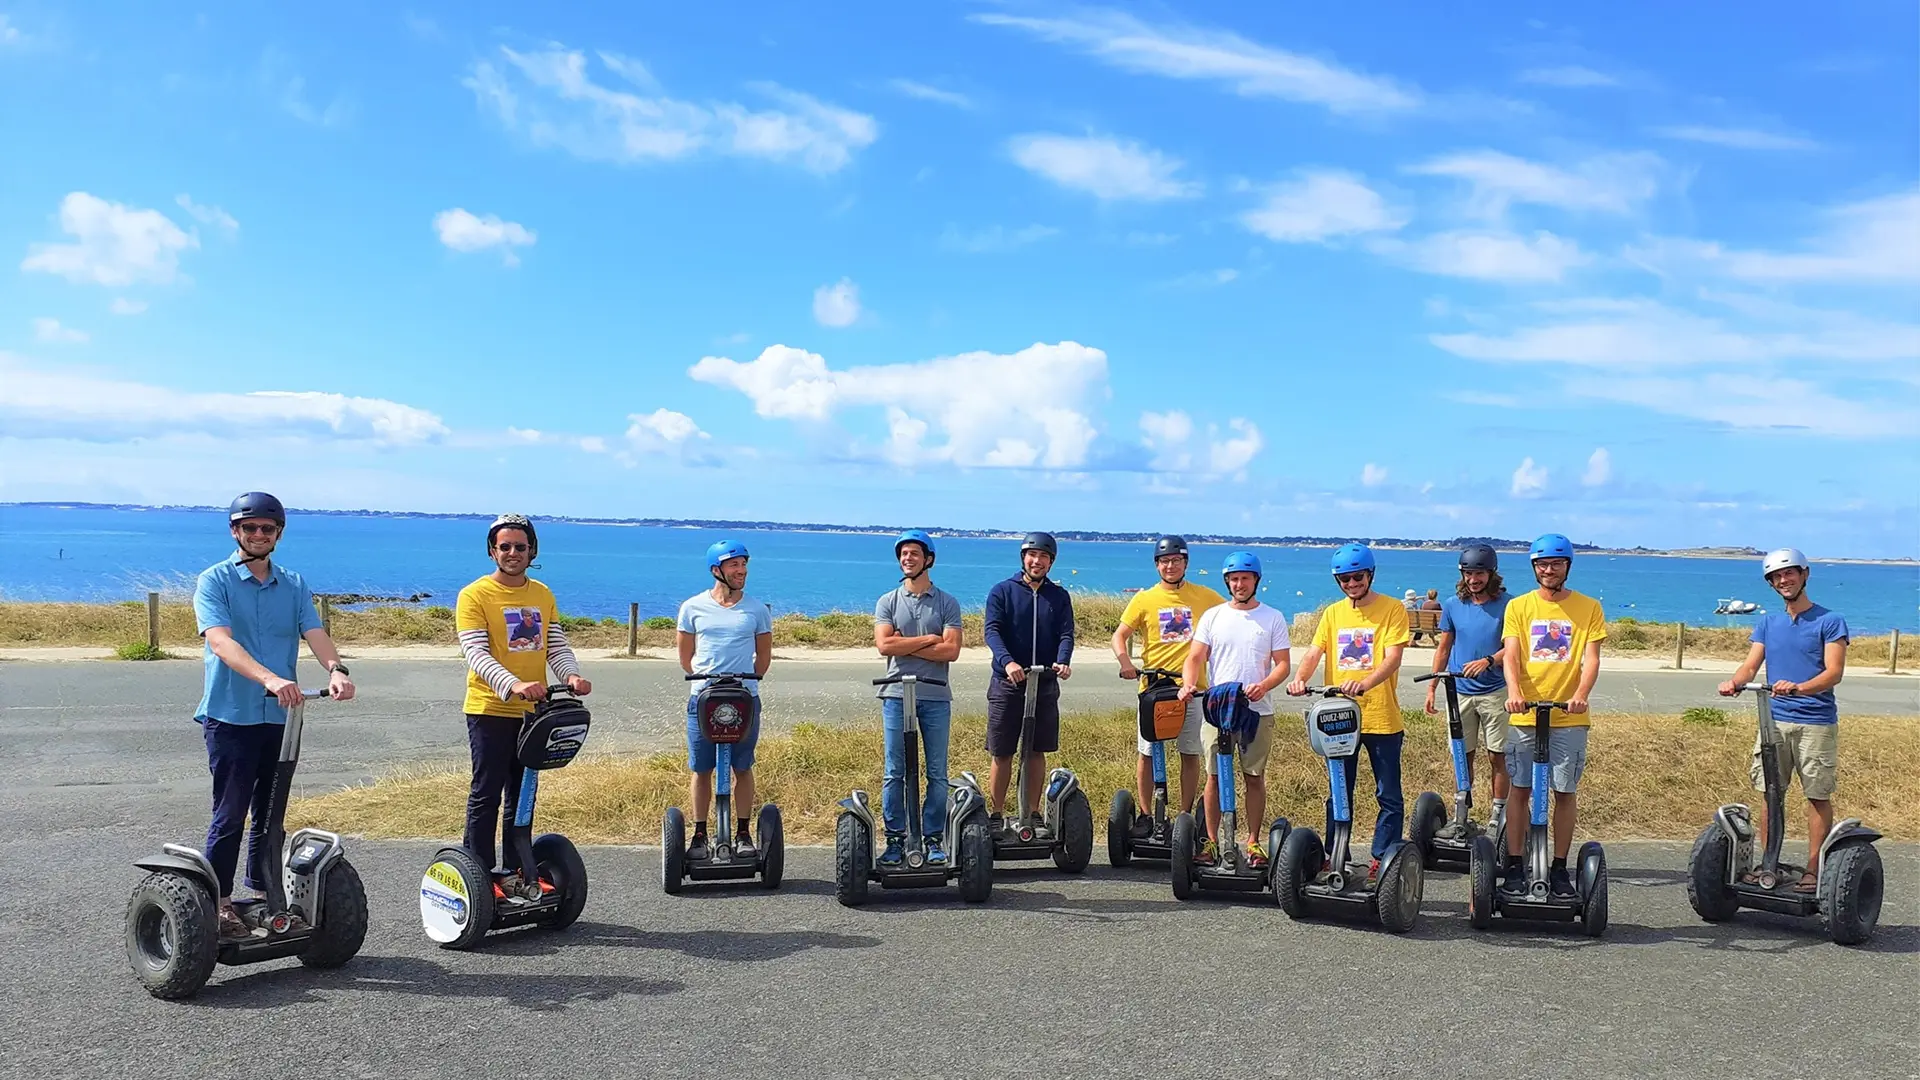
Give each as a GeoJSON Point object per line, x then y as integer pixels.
{"type": "Point", "coordinates": [496, 774]}
{"type": "Point", "coordinates": [243, 759]}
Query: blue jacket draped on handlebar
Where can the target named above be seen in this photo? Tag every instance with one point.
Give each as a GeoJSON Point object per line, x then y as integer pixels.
{"type": "Point", "coordinates": [1027, 626]}
{"type": "Point", "coordinates": [1227, 708]}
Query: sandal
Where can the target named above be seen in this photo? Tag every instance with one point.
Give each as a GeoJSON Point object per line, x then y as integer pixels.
{"type": "Point", "coordinates": [232, 926]}
{"type": "Point", "coordinates": [1808, 884]}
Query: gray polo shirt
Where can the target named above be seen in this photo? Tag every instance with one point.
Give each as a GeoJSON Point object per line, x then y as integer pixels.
{"type": "Point", "coordinates": [913, 615]}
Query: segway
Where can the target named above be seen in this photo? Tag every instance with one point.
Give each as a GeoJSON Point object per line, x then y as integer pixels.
{"type": "Point", "coordinates": [971, 860]}
{"type": "Point", "coordinates": [1230, 870]}
{"type": "Point", "coordinates": [315, 907]}
{"type": "Point", "coordinates": [1309, 880]}
{"type": "Point", "coordinates": [724, 711]}
{"type": "Point", "coordinates": [1065, 833]}
{"type": "Point", "coordinates": [1443, 848]}
{"type": "Point", "coordinates": [1162, 715]}
{"type": "Point", "coordinates": [1723, 876]}
{"type": "Point", "coordinates": [1588, 904]}
{"type": "Point", "coordinates": [546, 882]}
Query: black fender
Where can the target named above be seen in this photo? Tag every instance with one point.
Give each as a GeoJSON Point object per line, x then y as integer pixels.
{"type": "Point", "coordinates": [185, 867]}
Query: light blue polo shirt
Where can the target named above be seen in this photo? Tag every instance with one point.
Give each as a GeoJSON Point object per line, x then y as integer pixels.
{"type": "Point", "coordinates": [1797, 652]}
{"type": "Point", "coordinates": [267, 618]}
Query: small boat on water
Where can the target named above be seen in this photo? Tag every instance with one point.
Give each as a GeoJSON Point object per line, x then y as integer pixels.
{"type": "Point", "coordinates": [1736, 607]}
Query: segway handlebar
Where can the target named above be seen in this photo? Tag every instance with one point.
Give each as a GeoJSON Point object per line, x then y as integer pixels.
{"type": "Point", "coordinates": [891, 679]}
{"type": "Point", "coordinates": [1758, 688]}
{"type": "Point", "coordinates": [1158, 672]}
{"type": "Point", "coordinates": [1546, 705]}
{"type": "Point", "coordinates": [1325, 691]}
{"type": "Point", "coordinates": [1430, 676]}
{"type": "Point", "coordinates": [722, 675]}
{"type": "Point", "coordinates": [309, 694]}
{"type": "Point", "coordinates": [1046, 670]}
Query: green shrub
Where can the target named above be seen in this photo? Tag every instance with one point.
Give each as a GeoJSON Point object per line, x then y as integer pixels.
{"type": "Point", "coordinates": [140, 650]}
{"type": "Point", "coordinates": [609, 621]}
{"type": "Point", "coordinates": [574, 622]}
{"type": "Point", "coordinates": [439, 611]}
{"type": "Point", "coordinates": [1704, 716]}
{"type": "Point", "coordinates": [137, 605]}
{"type": "Point", "coordinates": [1628, 635]}
{"type": "Point", "coordinates": [659, 622]}
{"type": "Point", "coordinates": [804, 632]}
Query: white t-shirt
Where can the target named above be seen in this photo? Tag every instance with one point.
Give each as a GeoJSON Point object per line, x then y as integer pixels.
{"type": "Point", "coordinates": [1240, 646]}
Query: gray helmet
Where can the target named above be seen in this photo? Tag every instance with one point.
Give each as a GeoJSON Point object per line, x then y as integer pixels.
{"type": "Point", "coordinates": [1479, 557]}
{"type": "Point", "coordinates": [1781, 559]}
{"type": "Point", "coordinates": [514, 521]}
{"type": "Point", "coordinates": [1039, 541]}
{"type": "Point", "coordinates": [1169, 545]}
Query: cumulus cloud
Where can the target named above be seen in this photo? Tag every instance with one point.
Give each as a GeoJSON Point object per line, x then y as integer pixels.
{"type": "Point", "coordinates": [663, 431]}
{"type": "Point", "coordinates": [1372, 475]}
{"type": "Point", "coordinates": [50, 331]}
{"type": "Point", "coordinates": [1230, 455]}
{"type": "Point", "coordinates": [462, 231]}
{"type": "Point", "coordinates": [1322, 204]}
{"type": "Point", "coordinates": [1529, 480]}
{"type": "Point", "coordinates": [208, 215]}
{"type": "Point", "coordinates": [1165, 435]}
{"type": "Point", "coordinates": [113, 245]}
{"type": "Point", "coordinates": [837, 304]}
{"type": "Point", "coordinates": [1599, 468]}
{"type": "Point", "coordinates": [1105, 167]}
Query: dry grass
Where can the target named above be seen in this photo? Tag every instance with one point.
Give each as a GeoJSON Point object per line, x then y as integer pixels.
{"type": "Point", "coordinates": [1647, 777]}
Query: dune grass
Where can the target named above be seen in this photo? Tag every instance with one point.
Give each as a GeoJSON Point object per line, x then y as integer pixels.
{"type": "Point", "coordinates": [1648, 777]}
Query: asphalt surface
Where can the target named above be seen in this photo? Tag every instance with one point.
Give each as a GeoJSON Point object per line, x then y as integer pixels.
{"type": "Point", "coordinates": [1101, 975]}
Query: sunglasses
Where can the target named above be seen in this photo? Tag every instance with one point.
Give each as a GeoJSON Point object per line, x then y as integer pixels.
{"type": "Point", "coordinates": [258, 530]}
{"type": "Point", "coordinates": [512, 549]}
{"type": "Point", "coordinates": [1357, 575]}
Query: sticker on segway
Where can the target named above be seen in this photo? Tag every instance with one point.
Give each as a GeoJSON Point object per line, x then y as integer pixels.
{"type": "Point", "coordinates": [1356, 649]}
{"type": "Point", "coordinates": [1176, 625]}
{"type": "Point", "coordinates": [448, 878]}
{"type": "Point", "coordinates": [443, 904]}
{"type": "Point", "coordinates": [1552, 640]}
{"type": "Point", "coordinates": [564, 742]}
{"type": "Point", "coordinates": [523, 629]}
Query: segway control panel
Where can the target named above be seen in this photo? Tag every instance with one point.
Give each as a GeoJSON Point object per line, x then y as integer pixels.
{"type": "Point", "coordinates": [1333, 727]}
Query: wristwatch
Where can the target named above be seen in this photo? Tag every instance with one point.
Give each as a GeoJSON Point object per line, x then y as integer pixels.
{"type": "Point", "coordinates": [337, 669]}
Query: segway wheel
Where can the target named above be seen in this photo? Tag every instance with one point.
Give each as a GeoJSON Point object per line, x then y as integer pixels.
{"type": "Point", "coordinates": [852, 860]}
{"type": "Point", "coordinates": [1707, 889]}
{"type": "Point", "coordinates": [173, 936]}
{"type": "Point", "coordinates": [1593, 888]}
{"type": "Point", "coordinates": [559, 862]}
{"type": "Point", "coordinates": [456, 899]}
{"type": "Point", "coordinates": [1483, 862]}
{"type": "Point", "coordinates": [343, 918]}
{"type": "Point", "coordinates": [1852, 882]}
{"type": "Point", "coordinates": [1396, 898]}
{"type": "Point", "coordinates": [673, 851]}
{"type": "Point", "coordinates": [1429, 817]}
{"type": "Point", "coordinates": [1277, 833]}
{"type": "Point", "coordinates": [1076, 834]}
{"type": "Point", "coordinates": [1182, 842]}
{"type": "Point", "coordinates": [976, 861]}
{"type": "Point", "coordinates": [1295, 866]}
{"type": "Point", "coordinates": [1120, 829]}
{"type": "Point", "coordinates": [773, 846]}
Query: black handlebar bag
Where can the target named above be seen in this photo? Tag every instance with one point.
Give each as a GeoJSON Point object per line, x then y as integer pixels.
{"type": "Point", "coordinates": [725, 711]}
{"type": "Point", "coordinates": [553, 733]}
{"type": "Point", "coordinates": [1162, 713]}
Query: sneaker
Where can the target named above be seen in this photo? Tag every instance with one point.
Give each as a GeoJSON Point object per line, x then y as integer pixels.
{"type": "Point", "coordinates": [1208, 854]}
{"type": "Point", "coordinates": [743, 847]}
{"type": "Point", "coordinates": [1515, 881]}
{"type": "Point", "coordinates": [1039, 823]}
{"type": "Point", "coordinates": [936, 854]}
{"type": "Point", "coordinates": [1452, 830]}
{"type": "Point", "coordinates": [1256, 855]}
{"type": "Point", "coordinates": [1142, 826]}
{"type": "Point", "coordinates": [895, 854]}
{"type": "Point", "coordinates": [232, 926]}
{"type": "Point", "coordinates": [1561, 883]}
{"type": "Point", "coordinates": [698, 851]}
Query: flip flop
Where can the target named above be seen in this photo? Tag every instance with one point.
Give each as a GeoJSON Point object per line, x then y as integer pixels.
{"type": "Point", "coordinates": [1807, 884]}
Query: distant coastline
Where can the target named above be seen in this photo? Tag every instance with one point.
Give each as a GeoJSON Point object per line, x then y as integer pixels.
{"type": "Point", "coordinates": [1384, 543]}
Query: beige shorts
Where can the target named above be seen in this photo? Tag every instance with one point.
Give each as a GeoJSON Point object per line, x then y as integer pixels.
{"type": "Point", "coordinates": [1252, 760]}
{"type": "Point", "coordinates": [1809, 751]}
{"type": "Point", "coordinates": [1483, 722]}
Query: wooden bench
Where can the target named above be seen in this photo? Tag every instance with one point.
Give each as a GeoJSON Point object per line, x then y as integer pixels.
{"type": "Point", "coordinates": [1424, 622]}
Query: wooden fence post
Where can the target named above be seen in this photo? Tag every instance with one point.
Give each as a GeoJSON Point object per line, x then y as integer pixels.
{"type": "Point", "coordinates": [326, 615]}
{"type": "Point", "coordinates": [1679, 646]}
{"type": "Point", "coordinates": [1893, 654]}
{"type": "Point", "coordinates": [153, 619]}
{"type": "Point", "coordinates": [633, 629]}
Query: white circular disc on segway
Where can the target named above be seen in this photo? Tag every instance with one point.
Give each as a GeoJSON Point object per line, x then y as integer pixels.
{"type": "Point", "coordinates": [445, 906]}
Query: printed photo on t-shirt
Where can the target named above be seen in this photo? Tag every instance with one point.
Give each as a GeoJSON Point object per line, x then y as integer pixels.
{"type": "Point", "coordinates": [1356, 649]}
{"type": "Point", "coordinates": [523, 629]}
{"type": "Point", "coordinates": [1552, 640]}
{"type": "Point", "coordinates": [1176, 625]}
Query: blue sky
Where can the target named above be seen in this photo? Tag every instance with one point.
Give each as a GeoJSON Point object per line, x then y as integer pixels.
{"type": "Point", "coordinates": [1437, 270]}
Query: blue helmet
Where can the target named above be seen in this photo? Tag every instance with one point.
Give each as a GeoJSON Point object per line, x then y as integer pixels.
{"type": "Point", "coordinates": [1551, 546]}
{"type": "Point", "coordinates": [914, 536]}
{"type": "Point", "coordinates": [1241, 562]}
{"type": "Point", "coordinates": [722, 550]}
{"type": "Point", "coordinates": [1351, 557]}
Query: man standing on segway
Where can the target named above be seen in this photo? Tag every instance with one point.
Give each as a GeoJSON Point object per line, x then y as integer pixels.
{"type": "Point", "coordinates": [1805, 651]}
{"type": "Point", "coordinates": [1471, 646]}
{"type": "Point", "coordinates": [1029, 623]}
{"type": "Point", "coordinates": [252, 614]}
{"type": "Point", "coordinates": [1564, 670]}
{"type": "Point", "coordinates": [720, 630]}
{"type": "Point", "coordinates": [917, 628]}
{"type": "Point", "coordinates": [1245, 642]}
{"type": "Point", "coordinates": [1166, 616]}
{"type": "Point", "coordinates": [1363, 636]}
{"type": "Point", "coordinates": [509, 630]}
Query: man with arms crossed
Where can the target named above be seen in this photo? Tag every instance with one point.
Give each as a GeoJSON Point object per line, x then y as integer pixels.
{"type": "Point", "coordinates": [917, 628]}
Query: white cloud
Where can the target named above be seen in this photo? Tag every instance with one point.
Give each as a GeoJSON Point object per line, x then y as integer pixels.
{"type": "Point", "coordinates": [114, 244]}
{"type": "Point", "coordinates": [1230, 456]}
{"type": "Point", "coordinates": [1571, 76]}
{"type": "Point", "coordinates": [550, 98]}
{"type": "Point", "coordinates": [931, 93]}
{"type": "Point", "coordinates": [525, 435]}
{"type": "Point", "coordinates": [1529, 480]}
{"type": "Point", "coordinates": [1488, 256]}
{"type": "Point", "coordinates": [1736, 138]}
{"type": "Point", "coordinates": [1608, 183]}
{"type": "Point", "coordinates": [1166, 435]}
{"type": "Point", "coordinates": [36, 403]}
{"type": "Point", "coordinates": [1203, 279]}
{"type": "Point", "coordinates": [962, 398]}
{"type": "Point", "coordinates": [124, 306]}
{"type": "Point", "coordinates": [51, 332]}
{"type": "Point", "coordinates": [663, 430]}
{"type": "Point", "coordinates": [464, 232]}
{"type": "Point", "coordinates": [209, 215]}
{"type": "Point", "coordinates": [1872, 240]}
{"type": "Point", "coordinates": [994, 238]}
{"type": "Point", "coordinates": [592, 444]}
{"type": "Point", "coordinates": [1150, 239]}
{"type": "Point", "coordinates": [1320, 205]}
{"type": "Point", "coordinates": [278, 77]}
{"type": "Point", "coordinates": [1187, 52]}
{"type": "Point", "coordinates": [1599, 468]}
{"type": "Point", "coordinates": [837, 304]}
{"type": "Point", "coordinates": [1372, 475]}
{"type": "Point", "coordinates": [1742, 402]}
{"type": "Point", "coordinates": [1103, 166]}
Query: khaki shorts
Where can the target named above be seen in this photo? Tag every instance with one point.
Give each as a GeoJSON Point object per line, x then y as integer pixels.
{"type": "Point", "coordinates": [1189, 741]}
{"type": "Point", "coordinates": [1809, 751]}
{"type": "Point", "coordinates": [1252, 760]}
{"type": "Point", "coordinates": [1483, 722]}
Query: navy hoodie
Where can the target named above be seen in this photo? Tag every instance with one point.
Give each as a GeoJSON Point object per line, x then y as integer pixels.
{"type": "Point", "coordinates": [1015, 635]}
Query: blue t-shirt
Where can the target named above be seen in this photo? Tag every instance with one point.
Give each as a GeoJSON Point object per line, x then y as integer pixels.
{"type": "Point", "coordinates": [1476, 635]}
{"type": "Point", "coordinates": [723, 636]}
{"type": "Point", "coordinates": [1796, 652]}
{"type": "Point", "coordinates": [267, 618]}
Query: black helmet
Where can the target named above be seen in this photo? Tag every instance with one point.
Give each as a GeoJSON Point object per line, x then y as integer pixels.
{"type": "Point", "coordinates": [1479, 557]}
{"type": "Point", "coordinates": [1039, 541]}
{"type": "Point", "coordinates": [1169, 545]}
{"type": "Point", "coordinates": [514, 521]}
{"type": "Point", "coordinates": [257, 504]}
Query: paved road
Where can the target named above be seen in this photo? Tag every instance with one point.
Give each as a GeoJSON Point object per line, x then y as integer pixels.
{"type": "Point", "coordinates": [1104, 975]}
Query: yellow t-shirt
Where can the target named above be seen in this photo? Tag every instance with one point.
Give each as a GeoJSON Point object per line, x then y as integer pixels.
{"type": "Point", "coordinates": [516, 622]}
{"type": "Point", "coordinates": [1553, 636]}
{"type": "Point", "coordinates": [1164, 619]}
{"type": "Point", "coordinates": [1353, 640]}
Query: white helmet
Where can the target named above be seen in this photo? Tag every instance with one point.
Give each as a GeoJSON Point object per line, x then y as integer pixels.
{"type": "Point", "coordinates": [1782, 558]}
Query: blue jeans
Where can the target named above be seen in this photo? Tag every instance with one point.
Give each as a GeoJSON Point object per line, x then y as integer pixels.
{"type": "Point", "coordinates": [702, 754]}
{"type": "Point", "coordinates": [935, 725]}
{"type": "Point", "coordinates": [1383, 757]}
